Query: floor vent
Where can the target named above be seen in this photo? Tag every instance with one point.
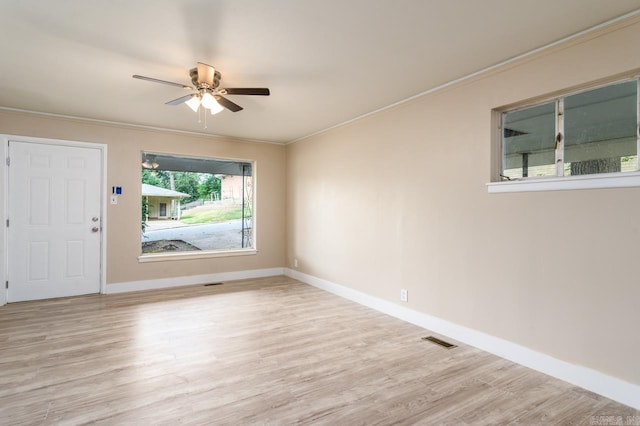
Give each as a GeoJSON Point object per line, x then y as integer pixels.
{"type": "Point", "coordinates": [207, 285]}
{"type": "Point", "coordinates": [442, 343]}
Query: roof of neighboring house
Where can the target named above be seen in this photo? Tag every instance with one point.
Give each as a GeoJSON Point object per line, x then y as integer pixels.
{"type": "Point", "coordinates": [156, 191]}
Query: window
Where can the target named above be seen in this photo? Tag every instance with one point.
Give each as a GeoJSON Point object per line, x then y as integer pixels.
{"type": "Point", "coordinates": [196, 206]}
{"type": "Point", "coordinates": [586, 133]}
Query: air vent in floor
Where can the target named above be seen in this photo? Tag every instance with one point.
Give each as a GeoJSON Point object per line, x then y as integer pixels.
{"type": "Point", "coordinates": [442, 343]}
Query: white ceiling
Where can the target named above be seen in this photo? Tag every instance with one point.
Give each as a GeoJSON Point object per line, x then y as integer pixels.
{"type": "Point", "coordinates": [326, 62]}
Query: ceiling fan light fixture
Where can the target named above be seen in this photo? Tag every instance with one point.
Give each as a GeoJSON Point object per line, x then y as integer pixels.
{"type": "Point", "coordinates": [150, 162]}
{"type": "Point", "coordinates": [210, 103]}
{"type": "Point", "coordinates": [194, 102]}
{"type": "Point", "coordinates": [206, 93]}
{"type": "Point", "coordinates": [150, 165]}
{"type": "Point", "coordinates": [216, 109]}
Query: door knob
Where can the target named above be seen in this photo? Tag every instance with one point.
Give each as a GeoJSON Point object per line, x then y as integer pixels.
{"type": "Point", "coordinates": [95, 229]}
{"type": "Point", "coordinates": [95, 219]}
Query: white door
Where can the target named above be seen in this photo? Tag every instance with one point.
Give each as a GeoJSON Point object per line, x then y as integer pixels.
{"type": "Point", "coordinates": [54, 221]}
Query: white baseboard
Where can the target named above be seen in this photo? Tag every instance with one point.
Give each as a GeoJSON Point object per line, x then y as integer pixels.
{"type": "Point", "coordinates": [592, 380]}
{"type": "Point", "coordinates": [191, 280]}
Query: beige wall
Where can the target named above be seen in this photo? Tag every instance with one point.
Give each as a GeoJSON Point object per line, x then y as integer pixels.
{"type": "Point", "coordinates": [123, 220]}
{"type": "Point", "coordinates": [398, 200]}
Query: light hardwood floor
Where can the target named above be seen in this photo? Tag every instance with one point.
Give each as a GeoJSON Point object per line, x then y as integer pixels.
{"type": "Point", "coordinates": [265, 351]}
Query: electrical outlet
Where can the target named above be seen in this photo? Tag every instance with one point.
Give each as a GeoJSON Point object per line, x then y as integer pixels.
{"type": "Point", "coordinates": [404, 295]}
{"type": "Point", "coordinates": [295, 263]}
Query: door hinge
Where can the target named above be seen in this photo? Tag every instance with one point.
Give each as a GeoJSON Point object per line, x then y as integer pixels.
{"type": "Point", "coordinates": [8, 161]}
{"type": "Point", "coordinates": [7, 223]}
{"type": "Point", "coordinates": [6, 284]}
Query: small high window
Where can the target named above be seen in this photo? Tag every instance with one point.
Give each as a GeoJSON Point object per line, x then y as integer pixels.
{"type": "Point", "coordinates": [585, 133]}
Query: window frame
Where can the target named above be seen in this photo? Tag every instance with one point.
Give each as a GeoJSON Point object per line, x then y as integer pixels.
{"type": "Point", "coordinates": [207, 254]}
{"type": "Point", "coordinates": [560, 181]}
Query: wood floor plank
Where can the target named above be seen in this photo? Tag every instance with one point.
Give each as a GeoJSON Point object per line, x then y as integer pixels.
{"type": "Point", "coordinates": [264, 351]}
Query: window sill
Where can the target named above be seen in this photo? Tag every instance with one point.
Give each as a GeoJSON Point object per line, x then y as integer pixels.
{"type": "Point", "coordinates": [605, 180]}
{"type": "Point", "coordinates": [163, 257]}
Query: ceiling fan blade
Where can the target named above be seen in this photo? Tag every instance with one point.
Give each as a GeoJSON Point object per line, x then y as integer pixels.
{"type": "Point", "coordinates": [206, 74]}
{"type": "Point", "coordinates": [256, 91]}
{"type": "Point", "coordinates": [155, 80]}
{"type": "Point", "coordinates": [181, 99]}
{"type": "Point", "coordinates": [228, 104]}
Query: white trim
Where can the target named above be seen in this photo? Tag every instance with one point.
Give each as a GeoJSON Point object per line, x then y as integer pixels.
{"type": "Point", "coordinates": [135, 126]}
{"type": "Point", "coordinates": [254, 205]}
{"type": "Point", "coordinates": [48, 141]}
{"type": "Point", "coordinates": [155, 284]}
{"type": "Point", "coordinates": [189, 255]}
{"type": "Point", "coordinates": [4, 244]}
{"type": "Point", "coordinates": [481, 72]}
{"type": "Point", "coordinates": [103, 223]}
{"type": "Point", "coordinates": [4, 207]}
{"type": "Point", "coordinates": [592, 380]}
{"type": "Point", "coordinates": [600, 181]}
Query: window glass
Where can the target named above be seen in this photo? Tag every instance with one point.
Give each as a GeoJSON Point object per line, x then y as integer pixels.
{"type": "Point", "coordinates": [600, 130]}
{"type": "Point", "coordinates": [195, 204]}
{"type": "Point", "coordinates": [528, 145]}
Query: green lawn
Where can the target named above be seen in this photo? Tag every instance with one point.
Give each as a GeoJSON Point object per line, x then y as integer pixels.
{"type": "Point", "coordinates": [212, 215]}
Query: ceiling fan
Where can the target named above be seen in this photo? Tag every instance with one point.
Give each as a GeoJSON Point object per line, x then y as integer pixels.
{"type": "Point", "coordinates": [205, 90]}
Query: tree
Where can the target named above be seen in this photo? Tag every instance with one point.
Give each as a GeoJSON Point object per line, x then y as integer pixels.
{"type": "Point", "coordinates": [188, 183]}
{"type": "Point", "coordinates": [145, 213]}
{"type": "Point", "coordinates": [156, 178]}
{"type": "Point", "coordinates": [210, 185]}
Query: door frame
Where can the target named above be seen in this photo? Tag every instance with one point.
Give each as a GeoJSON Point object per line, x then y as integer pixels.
{"type": "Point", "coordinates": [4, 204]}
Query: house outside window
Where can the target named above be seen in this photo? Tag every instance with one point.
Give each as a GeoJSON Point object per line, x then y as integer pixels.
{"type": "Point", "coordinates": [158, 199]}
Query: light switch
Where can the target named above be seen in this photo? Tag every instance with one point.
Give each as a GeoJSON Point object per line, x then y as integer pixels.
{"type": "Point", "coordinates": [114, 199]}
